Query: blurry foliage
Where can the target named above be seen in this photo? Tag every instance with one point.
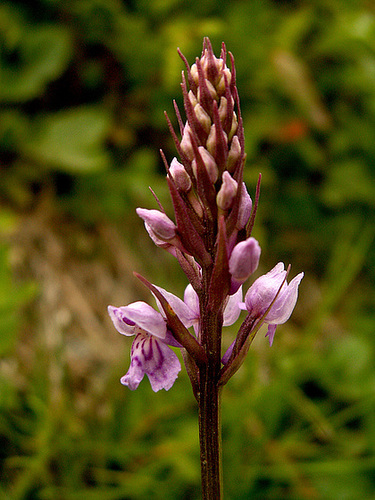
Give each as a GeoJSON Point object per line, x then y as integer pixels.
{"type": "Point", "coordinates": [12, 297]}
{"type": "Point", "coordinates": [83, 88]}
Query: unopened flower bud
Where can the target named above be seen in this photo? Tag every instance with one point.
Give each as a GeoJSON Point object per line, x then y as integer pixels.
{"type": "Point", "coordinates": [209, 163]}
{"type": "Point", "coordinates": [203, 118]}
{"type": "Point", "coordinates": [192, 98]}
{"type": "Point", "coordinates": [180, 176]}
{"type": "Point", "coordinates": [212, 140]}
{"type": "Point", "coordinates": [227, 192]}
{"type": "Point", "coordinates": [212, 66]}
{"type": "Point", "coordinates": [244, 259]}
{"type": "Point", "coordinates": [234, 154]}
{"type": "Point", "coordinates": [223, 106]}
{"type": "Point", "coordinates": [234, 126]}
{"type": "Point", "coordinates": [185, 144]}
{"type": "Point", "coordinates": [221, 85]}
{"type": "Point", "coordinates": [160, 224]}
{"type": "Point", "coordinates": [244, 209]}
{"type": "Point", "coordinates": [211, 90]}
{"type": "Point", "coordinates": [194, 73]}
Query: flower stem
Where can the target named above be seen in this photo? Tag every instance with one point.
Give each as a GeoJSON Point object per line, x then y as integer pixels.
{"type": "Point", "coordinates": [210, 434]}
{"type": "Point", "coordinates": [209, 397]}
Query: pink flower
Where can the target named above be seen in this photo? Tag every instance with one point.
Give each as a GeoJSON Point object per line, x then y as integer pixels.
{"type": "Point", "coordinates": [243, 261]}
{"type": "Point", "coordinates": [263, 291]}
{"type": "Point", "coordinates": [150, 353]}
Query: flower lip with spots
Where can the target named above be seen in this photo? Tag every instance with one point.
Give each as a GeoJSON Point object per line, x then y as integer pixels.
{"type": "Point", "coordinates": [150, 353]}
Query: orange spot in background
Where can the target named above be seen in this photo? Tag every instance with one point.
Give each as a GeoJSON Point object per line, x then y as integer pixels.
{"type": "Point", "coordinates": [292, 131]}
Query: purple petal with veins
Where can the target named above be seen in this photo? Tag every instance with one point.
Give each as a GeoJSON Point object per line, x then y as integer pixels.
{"type": "Point", "coordinates": [154, 358]}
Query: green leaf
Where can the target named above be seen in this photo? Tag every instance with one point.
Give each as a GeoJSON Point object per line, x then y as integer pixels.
{"type": "Point", "coordinates": [14, 128]}
{"type": "Point", "coordinates": [72, 140]}
{"type": "Point", "coordinates": [40, 55]}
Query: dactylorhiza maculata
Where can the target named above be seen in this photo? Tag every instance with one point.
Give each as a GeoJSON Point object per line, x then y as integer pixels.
{"type": "Point", "coordinates": [214, 217]}
{"type": "Point", "coordinates": [211, 239]}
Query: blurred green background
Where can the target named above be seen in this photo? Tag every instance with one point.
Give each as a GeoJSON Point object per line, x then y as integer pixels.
{"type": "Point", "coordinates": [83, 88]}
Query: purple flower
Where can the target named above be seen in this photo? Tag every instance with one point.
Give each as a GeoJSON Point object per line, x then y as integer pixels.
{"type": "Point", "coordinates": [263, 291]}
{"type": "Point", "coordinates": [232, 308]}
{"type": "Point", "coordinates": [244, 210]}
{"type": "Point", "coordinates": [227, 192]}
{"type": "Point", "coordinates": [210, 236]}
{"type": "Point", "coordinates": [209, 164]}
{"type": "Point", "coordinates": [180, 176]}
{"type": "Point", "coordinates": [160, 224]}
{"type": "Point", "coordinates": [183, 310]}
{"type": "Point", "coordinates": [150, 353]}
{"type": "Point", "coordinates": [243, 261]}
{"type": "Point", "coordinates": [153, 357]}
{"type": "Point", "coordinates": [231, 312]}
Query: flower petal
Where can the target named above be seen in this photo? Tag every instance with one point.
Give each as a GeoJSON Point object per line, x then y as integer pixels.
{"type": "Point", "coordinates": [160, 243]}
{"type": "Point", "coordinates": [246, 205]}
{"type": "Point", "coordinates": [244, 259]}
{"type": "Point", "coordinates": [135, 373]}
{"type": "Point", "coordinates": [154, 358]}
{"type": "Point", "coordinates": [284, 304]}
{"type": "Point", "coordinates": [262, 292]}
{"type": "Point", "coordinates": [183, 311]}
{"type": "Point", "coordinates": [192, 301]}
{"type": "Point", "coordinates": [232, 309]}
{"type": "Point", "coordinates": [160, 224]}
{"type": "Point", "coordinates": [122, 324]}
{"type": "Point", "coordinates": [271, 333]}
{"type": "Point", "coordinates": [138, 314]}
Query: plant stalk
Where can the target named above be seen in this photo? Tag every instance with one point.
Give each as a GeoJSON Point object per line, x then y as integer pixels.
{"type": "Point", "coordinates": [210, 434]}
{"type": "Point", "coordinates": [209, 398]}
